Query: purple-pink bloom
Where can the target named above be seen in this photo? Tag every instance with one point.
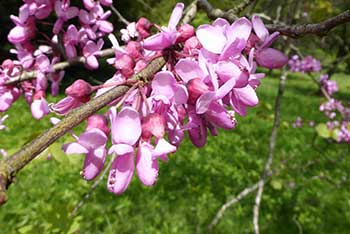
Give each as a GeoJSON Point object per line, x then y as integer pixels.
{"type": "Point", "coordinates": [168, 35]}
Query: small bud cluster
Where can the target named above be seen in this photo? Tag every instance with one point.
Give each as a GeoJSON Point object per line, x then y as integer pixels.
{"type": "Point", "coordinates": [335, 111]}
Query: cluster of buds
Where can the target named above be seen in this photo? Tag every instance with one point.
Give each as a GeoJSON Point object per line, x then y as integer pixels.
{"type": "Point", "coordinates": [307, 64]}
{"type": "Point", "coordinates": [75, 32]}
{"type": "Point", "coordinates": [330, 86]}
{"type": "Point", "coordinates": [335, 111]}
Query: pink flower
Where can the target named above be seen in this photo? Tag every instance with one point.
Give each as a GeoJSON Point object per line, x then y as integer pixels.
{"type": "Point", "coordinates": [92, 143]}
{"type": "Point", "coordinates": [39, 106]}
{"type": "Point", "coordinates": [168, 35]}
{"type": "Point", "coordinates": [25, 27]}
{"type": "Point", "coordinates": [267, 57]}
{"type": "Point", "coordinates": [90, 51]}
{"type": "Point", "coordinates": [64, 13]}
{"type": "Point", "coordinates": [126, 130]}
{"type": "Point", "coordinates": [223, 38]}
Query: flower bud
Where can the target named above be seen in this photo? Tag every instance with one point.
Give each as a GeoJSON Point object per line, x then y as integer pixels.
{"type": "Point", "coordinates": [134, 49]}
{"type": "Point", "coordinates": [143, 27]}
{"type": "Point", "coordinates": [153, 124]}
{"type": "Point", "coordinates": [196, 87]}
{"type": "Point", "coordinates": [79, 89]}
{"type": "Point", "coordinates": [125, 64]}
{"type": "Point", "coordinates": [186, 31]}
{"type": "Point", "coordinates": [191, 44]}
{"type": "Point", "coordinates": [98, 121]}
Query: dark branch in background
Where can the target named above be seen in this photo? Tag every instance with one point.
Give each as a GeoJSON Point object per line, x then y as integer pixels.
{"type": "Point", "coordinates": [10, 166]}
{"type": "Point", "coordinates": [321, 28]}
{"type": "Point", "coordinates": [294, 31]}
{"type": "Point", "coordinates": [57, 67]}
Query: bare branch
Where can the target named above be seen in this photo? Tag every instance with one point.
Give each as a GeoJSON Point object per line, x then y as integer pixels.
{"type": "Point", "coordinates": [321, 28]}
{"type": "Point", "coordinates": [214, 13]}
{"type": "Point", "coordinates": [272, 145]}
{"type": "Point", "coordinates": [231, 202]}
{"type": "Point", "coordinates": [294, 31]}
{"type": "Point", "coordinates": [10, 166]}
{"type": "Point", "coordinates": [57, 67]}
{"type": "Point", "coordinates": [120, 16]}
{"type": "Point", "coordinates": [190, 12]}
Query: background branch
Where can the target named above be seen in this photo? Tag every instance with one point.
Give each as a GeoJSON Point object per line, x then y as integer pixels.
{"type": "Point", "coordinates": [288, 30]}
{"type": "Point", "coordinates": [10, 166]}
{"type": "Point", "coordinates": [28, 75]}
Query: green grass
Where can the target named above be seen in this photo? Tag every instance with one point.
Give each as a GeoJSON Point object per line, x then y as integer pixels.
{"type": "Point", "coordinates": [195, 182]}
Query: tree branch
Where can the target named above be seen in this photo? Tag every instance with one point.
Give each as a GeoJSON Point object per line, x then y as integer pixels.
{"type": "Point", "coordinates": [57, 67]}
{"type": "Point", "coordinates": [10, 166]}
{"type": "Point", "coordinates": [293, 31]}
{"type": "Point", "coordinates": [120, 16]}
{"type": "Point", "coordinates": [321, 28]}
{"type": "Point", "coordinates": [190, 12]}
{"type": "Point", "coordinates": [272, 146]}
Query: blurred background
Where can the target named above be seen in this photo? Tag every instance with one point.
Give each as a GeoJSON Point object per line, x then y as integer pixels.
{"type": "Point", "coordinates": [309, 194]}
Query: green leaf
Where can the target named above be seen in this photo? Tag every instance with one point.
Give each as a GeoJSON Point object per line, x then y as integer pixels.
{"type": "Point", "coordinates": [58, 154]}
{"type": "Point", "coordinates": [323, 131]}
{"type": "Point", "coordinates": [276, 184]}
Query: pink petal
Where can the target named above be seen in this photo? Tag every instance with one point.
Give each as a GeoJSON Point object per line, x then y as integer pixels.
{"type": "Point", "coordinates": [121, 149]}
{"type": "Point", "coordinates": [188, 69]}
{"type": "Point", "coordinates": [176, 16]}
{"type": "Point", "coordinates": [74, 148]}
{"type": "Point", "coordinates": [146, 166]}
{"type": "Point", "coordinates": [121, 173]}
{"type": "Point", "coordinates": [93, 138]}
{"type": "Point", "coordinates": [163, 148]}
{"type": "Point", "coordinates": [259, 28]}
{"type": "Point", "coordinates": [204, 101]}
{"type": "Point", "coordinates": [218, 116]}
{"type": "Point", "coordinates": [271, 58]}
{"type": "Point", "coordinates": [181, 95]}
{"type": "Point", "coordinates": [105, 26]}
{"type": "Point", "coordinates": [127, 127]}
{"type": "Point", "coordinates": [94, 162]}
{"type": "Point", "coordinates": [157, 42]}
{"type": "Point", "coordinates": [164, 84]}
{"type": "Point", "coordinates": [39, 108]}
{"type": "Point", "coordinates": [211, 38]}
{"type": "Point", "coordinates": [72, 12]}
{"type": "Point", "coordinates": [17, 35]}
{"type": "Point", "coordinates": [92, 62]}
{"type": "Point", "coordinates": [241, 28]}
{"type": "Point", "coordinates": [247, 95]}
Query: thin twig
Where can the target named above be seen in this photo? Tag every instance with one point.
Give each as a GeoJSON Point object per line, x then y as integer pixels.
{"type": "Point", "coordinates": [57, 67]}
{"type": "Point", "coordinates": [272, 146]}
{"type": "Point", "coordinates": [231, 202]}
{"type": "Point", "coordinates": [120, 16]}
{"type": "Point", "coordinates": [190, 12]}
{"type": "Point", "coordinates": [92, 189]}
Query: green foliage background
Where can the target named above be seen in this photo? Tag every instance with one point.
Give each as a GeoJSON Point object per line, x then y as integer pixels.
{"type": "Point", "coordinates": [310, 194]}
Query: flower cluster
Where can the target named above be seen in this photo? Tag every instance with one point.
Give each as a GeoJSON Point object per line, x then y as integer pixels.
{"type": "Point", "coordinates": [338, 114]}
{"type": "Point", "coordinates": [75, 32]}
{"type": "Point", "coordinates": [209, 78]}
{"type": "Point", "coordinates": [307, 64]}
{"type": "Point", "coordinates": [330, 86]}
